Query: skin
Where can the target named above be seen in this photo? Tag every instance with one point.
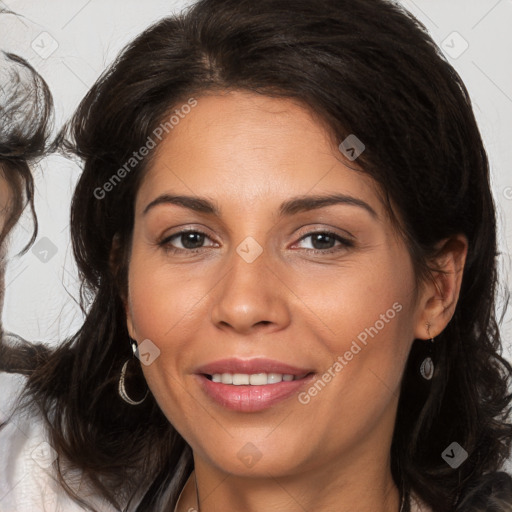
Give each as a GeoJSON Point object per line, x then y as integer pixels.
{"type": "Point", "coordinates": [248, 153]}
{"type": "Point", "coordinates": [5, 197]}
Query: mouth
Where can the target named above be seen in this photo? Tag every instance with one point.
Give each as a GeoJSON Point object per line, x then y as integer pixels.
{"type": "Point", "coordinates": [254, 379]}
{"type": "Point", "coordinates": [251, 385]}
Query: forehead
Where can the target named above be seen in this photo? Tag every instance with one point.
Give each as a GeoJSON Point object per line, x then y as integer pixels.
{"type": "Point", "coordinates": [246, 146]}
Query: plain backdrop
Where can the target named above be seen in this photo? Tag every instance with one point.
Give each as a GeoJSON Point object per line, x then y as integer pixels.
{"type": "Point", "coordinates": [71, 42]}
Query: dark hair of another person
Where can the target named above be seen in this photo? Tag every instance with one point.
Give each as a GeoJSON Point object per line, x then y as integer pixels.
{"type": "Point", "coordinates": [26, 114]}
{"type": "Point", "coordinates": [364, 67]}
{"type": "Point", "coordinates": [26, 108]}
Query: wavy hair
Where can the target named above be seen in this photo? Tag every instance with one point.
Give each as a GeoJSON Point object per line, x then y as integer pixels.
{"type": "Point", "coordinates": [364, 67]}
{"type": "Point", "coordinates": [26, 114]}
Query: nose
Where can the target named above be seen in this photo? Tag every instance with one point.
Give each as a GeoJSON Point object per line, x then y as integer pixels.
{"type": "Point", "coordinates": [251, 297]}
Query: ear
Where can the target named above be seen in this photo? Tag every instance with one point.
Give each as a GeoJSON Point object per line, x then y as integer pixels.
{"type": "Point", "coordinates": [440, 292]}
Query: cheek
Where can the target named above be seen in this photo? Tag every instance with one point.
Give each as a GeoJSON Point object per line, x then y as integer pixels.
{"type": "Point", "coordinates": [152, 314]}
{"type": "Point", "coordinates": [382, 317]}
{"type": "Point", "coordinates": [165, 307]}
{"type": "Point", "coordinates": [365, 320]}
{"type": "Point", "coordinates": [365, 302]}
{"type": "Point", "coordinates": [161, 298]}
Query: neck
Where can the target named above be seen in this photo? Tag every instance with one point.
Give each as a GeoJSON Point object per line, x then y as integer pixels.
{"type": "Point", "coordinates": [355, 490]}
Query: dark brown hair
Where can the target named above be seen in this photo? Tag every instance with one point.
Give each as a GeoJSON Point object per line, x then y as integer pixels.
{"type": "Point", "coordinates": [26, 108]}
{"type": "Point", "coordinates": [364, 67]}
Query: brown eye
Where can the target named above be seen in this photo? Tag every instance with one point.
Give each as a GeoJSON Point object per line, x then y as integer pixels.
{"type": "Point", "coordinates": [325, 241]}
{"type": "Point", "coordinates": [189, 240]}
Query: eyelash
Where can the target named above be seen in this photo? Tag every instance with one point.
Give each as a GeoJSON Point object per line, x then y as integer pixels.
{"type": "Point", "coordinates": [344, 242]}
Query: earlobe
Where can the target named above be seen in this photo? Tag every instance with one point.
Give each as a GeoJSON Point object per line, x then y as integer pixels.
{"type": "Point", "coordinates": [441, 290]}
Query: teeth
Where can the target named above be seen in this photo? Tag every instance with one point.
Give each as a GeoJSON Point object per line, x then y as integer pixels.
{"type": "Point", "coordinates": [226, 378]}
{"type": "Point", "coordinates": [255, 379]}
{"type": "Point", "coordinates": [240, 379]}
{"type": "Point", "coordinates": [258, 379]}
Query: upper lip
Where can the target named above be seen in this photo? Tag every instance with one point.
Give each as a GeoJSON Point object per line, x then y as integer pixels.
{"type": "Point", "coordinates": [251, 366]}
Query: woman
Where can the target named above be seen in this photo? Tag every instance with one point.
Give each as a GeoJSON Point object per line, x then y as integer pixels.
{"type": "Point", "coordinates": [287, 237]}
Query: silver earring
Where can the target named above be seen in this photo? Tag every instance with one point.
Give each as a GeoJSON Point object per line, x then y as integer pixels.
{"type": "Point", "coordinates": [121, 388]}
{"type": "Point", "coordinates": [427, 366]}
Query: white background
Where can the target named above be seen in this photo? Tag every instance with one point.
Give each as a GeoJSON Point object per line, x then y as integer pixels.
{"type": "Point", "coordinates": [83, 37]}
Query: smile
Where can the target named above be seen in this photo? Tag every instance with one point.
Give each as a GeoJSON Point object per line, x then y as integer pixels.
{"type": "Point", "coordinates": [252, 392]}
{"type": "Point", "coordinates": [255, 379]}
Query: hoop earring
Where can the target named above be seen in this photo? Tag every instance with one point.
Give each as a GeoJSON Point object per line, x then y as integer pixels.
{"type": "Point", "coordinates": [121, 388]}
{"type": "Point", "coordinates": [427, 366]}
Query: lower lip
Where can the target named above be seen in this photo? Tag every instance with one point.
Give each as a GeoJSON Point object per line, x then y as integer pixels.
{"type": "Point", "coordinates": [251, 398]}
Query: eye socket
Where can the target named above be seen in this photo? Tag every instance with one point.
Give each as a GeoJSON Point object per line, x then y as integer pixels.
{"type": "Point", "coordinates": [188, 238]}
{"type": "Point", "coordinates": [327, 237]}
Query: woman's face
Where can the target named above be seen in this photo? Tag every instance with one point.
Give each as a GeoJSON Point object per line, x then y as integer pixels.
{"type": "Point", "coordinates": [270, 279]}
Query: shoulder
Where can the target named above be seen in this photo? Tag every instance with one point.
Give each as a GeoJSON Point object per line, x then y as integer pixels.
{"type": "Point", "coordinates": [28, 481]}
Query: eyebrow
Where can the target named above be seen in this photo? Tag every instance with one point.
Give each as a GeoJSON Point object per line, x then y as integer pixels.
{"type": "Point", "coordinates": [289, 207]}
